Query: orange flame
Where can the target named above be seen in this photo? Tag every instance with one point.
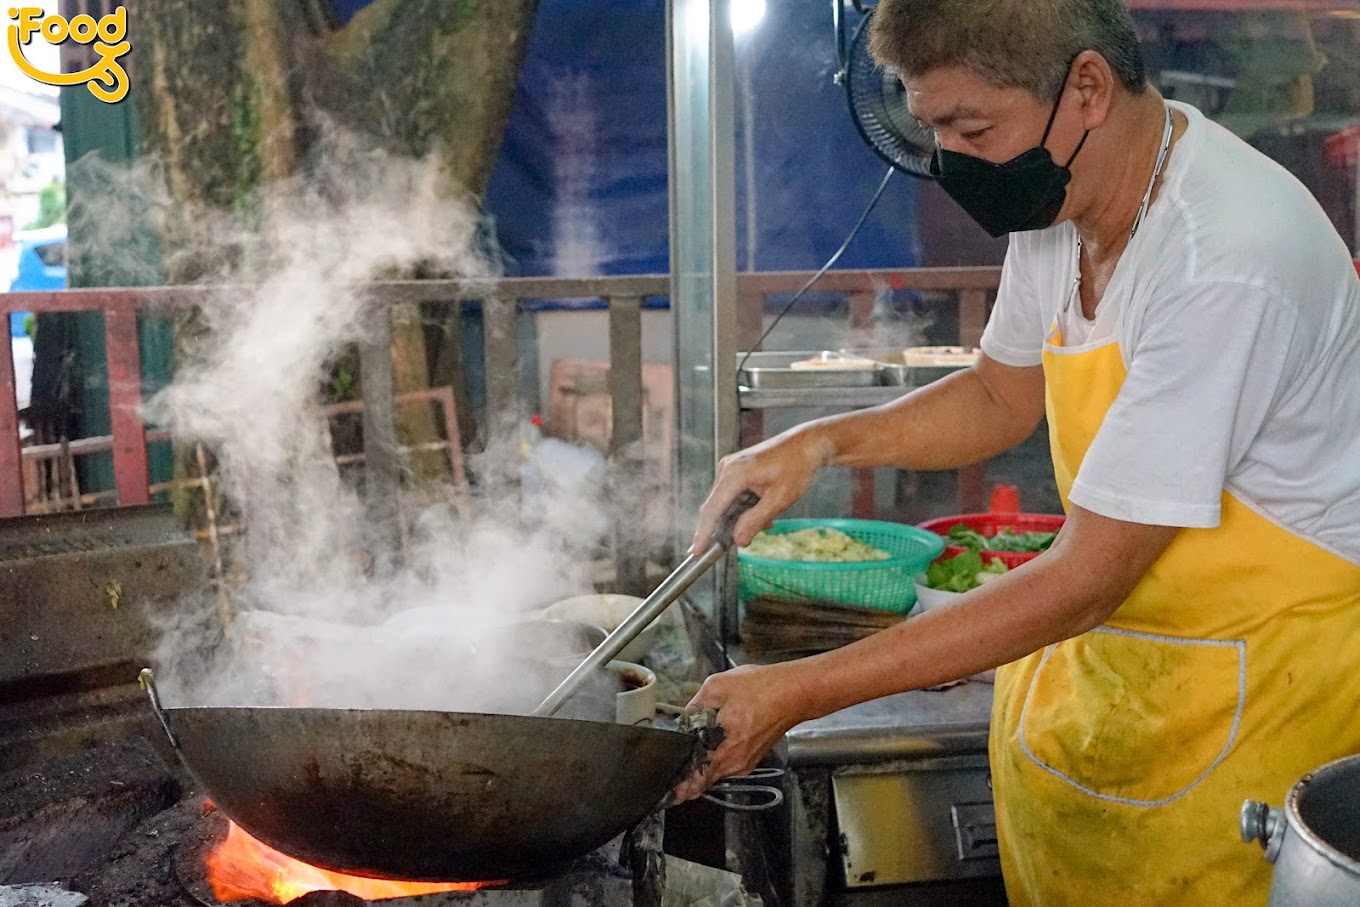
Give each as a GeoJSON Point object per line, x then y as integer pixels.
{"type": "Point", "coordinates": [241, 868]}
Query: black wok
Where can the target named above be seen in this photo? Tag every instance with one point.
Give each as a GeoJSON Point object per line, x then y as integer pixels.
{"type": "Point", "coordinates": [428, 796]}
{"type": "Point", "coordinates": [446, 796]}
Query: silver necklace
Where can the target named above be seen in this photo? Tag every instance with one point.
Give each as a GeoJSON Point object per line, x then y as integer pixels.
{"type": "Point", "coordinates": [1142, 211]}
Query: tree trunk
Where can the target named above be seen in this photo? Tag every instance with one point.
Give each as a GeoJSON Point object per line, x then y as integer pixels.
{"type": "Point", "coordinates": [229, 94]}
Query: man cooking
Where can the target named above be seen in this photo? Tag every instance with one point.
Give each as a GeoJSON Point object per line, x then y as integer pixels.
{"type": "Point", "coordinates": [1189, 320]}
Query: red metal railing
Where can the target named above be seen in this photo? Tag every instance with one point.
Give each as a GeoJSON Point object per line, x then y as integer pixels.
{"type": "Point", "coordinates": [120, 308]}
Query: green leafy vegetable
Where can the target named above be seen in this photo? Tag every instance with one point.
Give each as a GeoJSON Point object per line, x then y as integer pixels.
{"type": "Point", "coordinates": [963, 572]}
{"type": "Point", "coordinates": [967, 538]}
{"type": "Point", "coordinates": [1004, 540]}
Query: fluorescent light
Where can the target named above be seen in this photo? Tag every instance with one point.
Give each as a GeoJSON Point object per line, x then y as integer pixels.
{"type": "Point", "coordinates": [695, 14]}
{"type": "Point", "coordinates": [746, 15]}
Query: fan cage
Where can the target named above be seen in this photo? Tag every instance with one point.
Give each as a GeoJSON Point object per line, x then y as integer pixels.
{"type": "Point", "coordinates": [878, 105]}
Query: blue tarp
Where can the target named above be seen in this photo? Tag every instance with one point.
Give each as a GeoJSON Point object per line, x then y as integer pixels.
{"type": "Point", "coordinates": [580, 187]}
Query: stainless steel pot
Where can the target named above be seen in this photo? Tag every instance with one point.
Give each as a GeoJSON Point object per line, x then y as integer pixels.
{"type": "Point", "coordinates": [1314, 841]}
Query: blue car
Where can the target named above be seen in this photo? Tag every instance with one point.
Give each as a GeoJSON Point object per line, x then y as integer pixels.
{"type": "Point", "coordinates": [42, 266]}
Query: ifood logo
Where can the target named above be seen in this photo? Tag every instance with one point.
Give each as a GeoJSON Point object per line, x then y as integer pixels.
{"type": "Point", "coordinates": [107, 79]}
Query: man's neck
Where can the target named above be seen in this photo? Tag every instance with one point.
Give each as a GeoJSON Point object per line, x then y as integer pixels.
{"type": "Point", "coordinates": [1114, 203]}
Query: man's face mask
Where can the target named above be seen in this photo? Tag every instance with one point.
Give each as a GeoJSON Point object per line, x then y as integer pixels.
{"type": "Point", "coordinates": [1024, 193]}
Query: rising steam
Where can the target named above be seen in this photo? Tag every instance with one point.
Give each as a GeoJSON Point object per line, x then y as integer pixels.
{"type": "Point", "coordinates": [314, 625]}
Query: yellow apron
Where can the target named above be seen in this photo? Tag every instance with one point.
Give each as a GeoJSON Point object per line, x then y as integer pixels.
{"type": "Point", "coordinates": [1121, 758]}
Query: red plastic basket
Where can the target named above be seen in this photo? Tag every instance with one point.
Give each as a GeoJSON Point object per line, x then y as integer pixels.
{"type": "Point", "coordinates": [993, 522]}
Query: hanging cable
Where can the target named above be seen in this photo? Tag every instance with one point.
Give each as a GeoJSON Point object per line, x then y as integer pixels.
{"type": "Point", "coordinates": [873, 202]}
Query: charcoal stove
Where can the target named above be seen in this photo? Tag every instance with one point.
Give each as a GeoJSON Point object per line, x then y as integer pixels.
{"type": "Point", "coordinates": [118, 824]}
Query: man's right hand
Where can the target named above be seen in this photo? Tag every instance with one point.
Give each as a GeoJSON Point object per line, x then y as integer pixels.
{"type": "Point", "coordinates": [965, 418]}
{"type": "Point", "coordinates": [779, 470]}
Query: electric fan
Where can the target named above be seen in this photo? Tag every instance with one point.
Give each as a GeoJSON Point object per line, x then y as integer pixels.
{"type": "Point", "coordinates": [878, 102]}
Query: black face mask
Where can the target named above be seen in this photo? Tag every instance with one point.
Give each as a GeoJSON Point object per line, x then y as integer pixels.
{"type": "Point", "coordinates": [1024, 193]}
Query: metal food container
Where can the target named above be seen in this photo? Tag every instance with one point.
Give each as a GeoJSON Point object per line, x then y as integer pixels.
{"type": "Point", "coordinates": [890, 365]}
{"type": "Point", "coordinates": [895, 371]}
{"type": "Point", "coordinates": [774, 371]}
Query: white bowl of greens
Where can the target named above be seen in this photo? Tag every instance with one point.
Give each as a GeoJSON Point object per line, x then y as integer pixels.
{"type": "Point", "coordinates": [948, 578]}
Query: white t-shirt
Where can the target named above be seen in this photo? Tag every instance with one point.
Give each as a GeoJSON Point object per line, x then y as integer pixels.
{"type": "Point", "coordinates": [1237, 311]}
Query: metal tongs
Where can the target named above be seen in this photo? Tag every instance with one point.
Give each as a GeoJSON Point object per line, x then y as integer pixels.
{"type": "Point", "coordinates": [671, 588]}
{"type": "Point", "coordinates": [730, 793]}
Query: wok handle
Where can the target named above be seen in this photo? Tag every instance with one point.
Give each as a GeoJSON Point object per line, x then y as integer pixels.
{"type": "Point", "coordinates": [726, 792]}
{"type": "Point", "coordinates": [703, 726]}
{"type": "Point", "coordinates": [148, 681]}
{"type": "Point", "coordinates": [671, 588]}
{"type": "Point", "coordinates": [723, 794]}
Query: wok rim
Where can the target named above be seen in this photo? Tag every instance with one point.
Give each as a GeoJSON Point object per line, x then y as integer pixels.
{"type": "Point", "coordinates": [168, 709]}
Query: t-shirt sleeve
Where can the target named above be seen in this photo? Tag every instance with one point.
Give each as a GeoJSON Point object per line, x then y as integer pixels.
{"type": "Point", "coordinates": [1205, 370]}
{"type": "Point", "coordinates": [1015, 332]}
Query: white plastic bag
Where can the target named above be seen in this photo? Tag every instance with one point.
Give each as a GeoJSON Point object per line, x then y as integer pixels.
{"type": "Point", "coordinates": [694, 885]}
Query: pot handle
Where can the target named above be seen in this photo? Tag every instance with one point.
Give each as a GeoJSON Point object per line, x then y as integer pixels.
{"type": "Point", "coordinates": [1259, 822]}
{"type": "Point", "coordinates": [147, 679]}
{"type": "Point", "coordinates": [726, 792]}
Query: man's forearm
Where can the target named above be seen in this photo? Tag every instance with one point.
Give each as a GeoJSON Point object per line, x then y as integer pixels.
{"type": "Point", "coordinates": [1095, 563]}
{"type": "Point", "coordinates": [1000, 623]}
{"type": "Point", "coordinates": [951, 423]}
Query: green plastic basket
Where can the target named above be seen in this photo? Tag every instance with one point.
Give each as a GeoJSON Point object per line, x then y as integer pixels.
{"type": "Point", "coordinates": [886, 585]}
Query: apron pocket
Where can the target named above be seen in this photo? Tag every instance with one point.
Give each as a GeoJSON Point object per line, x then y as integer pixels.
{"type": "Point", "coordinates": [1132, 717]}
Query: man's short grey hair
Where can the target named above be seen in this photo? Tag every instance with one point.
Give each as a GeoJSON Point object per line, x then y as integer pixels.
{"type": "Point", "coordinates": [1026, 44]}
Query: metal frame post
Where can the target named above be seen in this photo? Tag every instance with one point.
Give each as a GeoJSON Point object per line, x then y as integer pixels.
{"type": "Point", "coordinates": [382, 458]}
{"type": "Point", "coordinates": [703, 262]}
{"type": "Point", "coordinates": [627, 459]}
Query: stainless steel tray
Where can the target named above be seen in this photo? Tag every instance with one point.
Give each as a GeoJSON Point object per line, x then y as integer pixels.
{"type": "Point", "coordinates": [771, 371]}
{"type": "Point", "coordinates": [896, 372]}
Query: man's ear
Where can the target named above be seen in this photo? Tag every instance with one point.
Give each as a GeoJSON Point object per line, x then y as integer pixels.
{"type": "Point", "coordinates": [1096, 82]}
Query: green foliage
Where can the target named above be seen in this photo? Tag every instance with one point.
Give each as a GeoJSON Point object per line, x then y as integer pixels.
{"type": "Point", "coordinates": [245, 131]}
{"type": "Point", "coordinates": [343, 386]}
{"type": "Point", "coordinates": [51, 206]}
